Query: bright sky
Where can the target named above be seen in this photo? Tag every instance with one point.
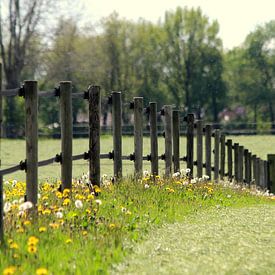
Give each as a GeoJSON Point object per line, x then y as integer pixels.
{"type": "Point", "coordinates": [236, 17]}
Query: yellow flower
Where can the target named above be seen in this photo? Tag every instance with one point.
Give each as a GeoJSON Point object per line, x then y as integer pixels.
{"type": "Point", "coordinates": [15, 256]}
{"type": "Point", "coordinates": [41, 271]}
{"type": "Point", "coordinates": [128, 212]}
{"type": "Point", "coordinates": [68, 241]}
{"type": "Point", "coordinates": [32, 249]}
{"type": "Point", "coordinates": [84, 233]}
{"type": "Point", "coordinates": [97, 189]}
{"type": "Point", "coordinates": [42, 229]}
{"type": "Point", "coordinates": [20, 230]}
{"type": "Point", "coordinates": [54, 225]}
{"type": "Point", "coordinates": [66, 193]}
{"type": "Point", "coordinates": [14, 246]}
{"type": "Point", "coordinates": [9, 270]}
{"type": "Point", "coordinates": [58, 195]}
{"type": "Point", "coordinates": [33, 240]}
{"type": "Point", "coordinates": [112, 225]}
{"type": "Point", "coordinates": [66, 201]}
{"type": "Point", "coordinates": [27, 223]}
{"type": "Point", "coordinates": [44, 198]}
{"type": "Point", "coordinates": [46, 212]}
{"type": "Point", "coordinates": [90, 197]}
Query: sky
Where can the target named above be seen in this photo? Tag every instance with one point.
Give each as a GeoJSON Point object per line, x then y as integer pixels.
{"type": "Point", "coordinates": [237, 18]}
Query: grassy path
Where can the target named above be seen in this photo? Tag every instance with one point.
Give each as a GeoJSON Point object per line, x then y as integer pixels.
{"type": "Point", "coordinates": [220, 241]}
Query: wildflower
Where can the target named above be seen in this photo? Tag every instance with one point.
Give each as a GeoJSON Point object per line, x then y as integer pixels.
{"type": "Point", "coordinates": [205, 177]}
{"type": "Point", "coordinates": [27, 222]}
{"type": "Point", "coordinates": [9, 270]}
{"type": "Point", "coordinates": [66, 201]}
{"type": "Point", "coordinates": [21, 214]}
{"type": "Point", "coordinates": [32, 249]}
{"type": "Point", "coordinates": [123, 209]}
{"type": "Point", "coordinates": [46, 212]}
{"type": "Point", "coordinates": [20, 230]}
{"type": "Point", "coordinates": [128, 212]}
{"type": "Point", "coordinates": [146, 174]}
{"type": "Point", "coordinates": [176, 175]}
{"type": "Point", "coordinates": [14, 182]}
{"type": "Point", "coordinates": [112, 226]}
{"type": "Point", "coordinates": [90, 197]}
{"type": "Point", "coordinates": [59, 215]}
{"type": "Point", "coordinates": [68, 241]}
{"type": "Point", "coordinates": [54, 225]}
{"type": "Point", "coordinates": [188, 170]}
{"type": "Point", "coordinates": [84, 233]}
{"type": "Point", "coordinates": [15, 202]}
{"type": "Point", "coordinates": [7, 207]}
{"type": "Point", "coordinates": [21, 200]}
{"type": "Point", "coordinates": [97, 189]}
{"type": "Point", "coordinates": [25, 206]}
{"type": "Point", "coordinates": [78, 204]}
{"type": "Point", "coordinates": [14, 245]}
{"type": "Point", "coordinates": [41, 271]}
{"type": "Point", "coordinates": [98, 202]}
{"type": "Point", "coordinates": [193, 181]}
{"type": "Point", "coordinates": [33, 240]}
{"type": "Point", "coordinates": [146, 186]}
{"type": "Point", "coordinates": [42, 229]}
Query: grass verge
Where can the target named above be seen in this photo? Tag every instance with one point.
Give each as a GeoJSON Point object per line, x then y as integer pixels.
{"type": "Point", "coordinates": [77, 233]}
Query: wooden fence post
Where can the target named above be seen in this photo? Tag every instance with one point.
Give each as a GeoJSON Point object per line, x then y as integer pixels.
{"type": "Point", "coordinates": [138, 134]}
{"type": "Point", "coordinates": [94, 134]}
{"type": "Point", "coordinates": [253, 158]}
{"type": "Point", "coordinates": [168, 139]}
{"type": "Point", "coordinates": [222, 163]}
{"type": "Point", "coordinates": [262, 174]}
{"type": "Point", "coordinates": [229, 159]}
{"type": "Point", "coordinates": [1, 212]}
{"type": "Point", "coordinates": [249, 168]}
{"type": "Point", "coordinates": [31, 109]}
{"type": "Point", "coordinates": [236, 160]}
{"type": "Point", "coordinates": [190, 142]}
{"type": "Point", "coordinates": [117, 133]}
{"type": "Point", "coordinates": [1, 112]}
{"type": "Point", "coordinates": [265, 175]}
{"type": "Point", "coordinates": [240, 164]}
{"type": "Point", "coordinates": [176, 140]}
{"type": "Point", "coordinates": [208, 150]}
{"type": "Point", "coordinates": [66, 133]}
{"type": "Point", "coordinates": [216, 154]}
{"type": "Point", "coordinates": [271, 172]}
{"type": "Point", "coordinates": [246, 166]}
{"type": "Point", "coordinates": [257, 171]}
{"type": "Point", "coordinates": [153, 138]}
{"type": "Point", "coordinates": [199, 127]}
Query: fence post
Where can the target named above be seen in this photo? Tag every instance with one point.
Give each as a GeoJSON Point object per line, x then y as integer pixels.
{"type": "Point", "coordinates": [265, 175]}
{"type": "Point", "coordinates": [249, 168]}
{"type": "Point", "coordinates": [168, 139]}
{"type": "Point", "coordinates": [240, 163]}
{"type": "Point", "coordinates": [199, 127]}
{"type": "Point", "coordinates": [1, 212]}
{"type": "Point", "coordinates": [176, 141]}
{"type": "Point", "coordinates": [66, 133]}
{"type": "Point", "coordinates": [153, 138]}
{"type": "Point", "coordinates": [1, 111]}
{"type": "Point", "coordinates": [190, 142]}
{"type": "Point", "coordinates": [138, 134]}
{"type": "Point", "coordinates": [246, 166]}
{"type": "Point", "coordinates": [217, 155]}
{"type": "Point", "coordinates": [94, 134]}
{"type": "Point", "coordinates": [31, 107]}
{"type": "Point", "coordinates": [229, 159]}
{"type": "Point", "coordinates": [208, 135]}
{"type": "Point", "coordinates": [253, 159]}
{"type": "Point", "coordinates": [222, 163]}
{"type": "Point", "coordinates": [258, 171]}
{"type": "Point", "coordinates": [271, 172]}
{"type": "Point", "coordinates": [262, 174]}
{"type": "Point", "coordinates": [236, 160]}
{"type": "Point", "coordinates": [117, 133]}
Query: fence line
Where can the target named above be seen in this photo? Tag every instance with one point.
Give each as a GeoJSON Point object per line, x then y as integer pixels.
{"type": "Point", "coordinates": [247, 168]}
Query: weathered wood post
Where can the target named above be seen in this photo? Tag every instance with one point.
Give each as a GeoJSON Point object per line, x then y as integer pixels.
{"type": "Point", "coordinates": [1, 212]}
{"type": "Point", "coordinates": [176, 140]}
{"type": "Point", "coordinates": [117, 133]}
{"type": "Point", "coordinates": [249, 168]}
{"type": "Point", "coordinates": [1, 111]}
{"type": "Point", "coordinates": [236, 161]}
{"type": "Point", "coordinates": [31, 129]}
{"type": "Point", "coordinates": [262, 174]}
{"type": "Point", "coordinates": [222, 163]}
{"type": "Point", "coordinates": [208, 150]}
{"type": "Point", "coordinates": [168, 139]}
{"type": "Point", "coordinates": [265, 175]}
{"type": "Point", "coordinates": [246, 166]}
{"type": "Point", "coordinates": [258, 171]}
{"type": "Point", "coordinates": [190, 142]}
{"type": "Point", "coordinates": [153, 138]}
{"type": "Point", "coordinates": [229, 159]}
{"type": "Point", "coordinates": [253, 158]}
{"type": "Point", "coordinates": [216, 154]}
{"type": "Point", "coordinates": [199, 127]}
{"type": "Point", "coordinates": [66, 121]}
{"type": "Point", "coordinates": [240, 163]}
{"type": "Point", "coordinates": [138, 135]}
{"type": "Point", "coordinates": [94, 134]}
{"type": "Point", "coordinates": [271, 172]}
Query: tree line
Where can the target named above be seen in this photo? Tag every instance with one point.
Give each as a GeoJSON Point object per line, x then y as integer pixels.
{"type": "Point", "coordinates": [179, 60]}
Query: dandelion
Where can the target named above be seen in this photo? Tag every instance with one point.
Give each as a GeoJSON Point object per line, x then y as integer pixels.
{"type": "Point", "coordinates": [42, 229]}
{"type": "Point", "coordinates": [146, 174]}
{"type": "Point", "coordinates": [41, 271]}
{"type": "Point", "coordinates": [112, 226]}
{"type": "Point", "coordinates": [84, 233]}
{"type": "Point", "coordinates": [205, 177]}
{"type": "Point", "coordinates": [46, 212]}
{"type": "Point", "coordinates": [193, 181]}
{"type": "Point", "coordinates": [66, 201]}
{"type": "Point", "coordinates": [98, 202]}
{"type": "Point", "coordinates": [7, 207]}
{"type": "Point", "coordinates": [97, 189]}
{"type": "Point", "coordinates": [176, 175]}
{"type": "Point", "coordinates": [33, 240]}
{"type": "Point", "coordinates": [78, 204]}
{"type": "Point", "coordinates": [9, 270]}
{"type": "Point", "coordinates": [188, 170]}
{"type": "Point", "coordinates": [146, 186]}
{"type": "Point", "coordinates": [68, 241]}
{"type": "Point", "coordinates": [14, 182]}
{"type": "Point", "coordinates": [59, 215]}
{"type": "Point", "coordinates": [25, 206]}
{"type": "Point", "coordinates": [27, 222]}
{"type": "Point", "coordinates": [14, 245]}
{"type": "Point", "coordinates": [32, 249]}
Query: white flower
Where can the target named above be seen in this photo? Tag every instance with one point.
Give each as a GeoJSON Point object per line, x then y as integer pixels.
{"type": "Point", "coordinates": [7, 207]}
{"type": "Point", "coordinates": [78, 204]}
{"type": "Point", "coordinates": [25, 206]}
{"type": "Point", "coordinates": [188, 170]}
{"type": "Point", "coordinates": [193, 181]}
{"type": "Point", "coordinates": [21, 200]}
{"type": "Point", "coordinates": [146, 186]}
{"type": "Point", "coordinates": [59, 215]}
{"type": "Point", "coordinates": [123, 209]}
{"type": "Point", "coordinates": [145, 173]}
{"type": "Point", "coordinates": [229, 196]}
{"type": "Point", "coordinates": [205, 177]}
{"type": "Point", "coordinates": [14, 182]}
{"type": "Point", "coordinates": [99, 202]}
{"type": "Point", "coordinates": [6, 182]}
{"type": "Point", "coordinates": [176, 175]}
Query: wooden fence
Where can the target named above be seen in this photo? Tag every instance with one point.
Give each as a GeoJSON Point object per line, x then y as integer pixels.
{"type": "Point", "coordinates": [230, 160]}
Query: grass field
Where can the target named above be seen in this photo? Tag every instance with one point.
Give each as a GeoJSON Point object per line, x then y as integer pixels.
{"type": "Point", "coordinates": [12, 151]}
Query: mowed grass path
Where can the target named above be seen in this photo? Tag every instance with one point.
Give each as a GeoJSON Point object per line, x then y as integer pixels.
{"type": "Point", "coordinates": [220, 241]}
{"type": "Point", "coordinates": [12, 151]}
